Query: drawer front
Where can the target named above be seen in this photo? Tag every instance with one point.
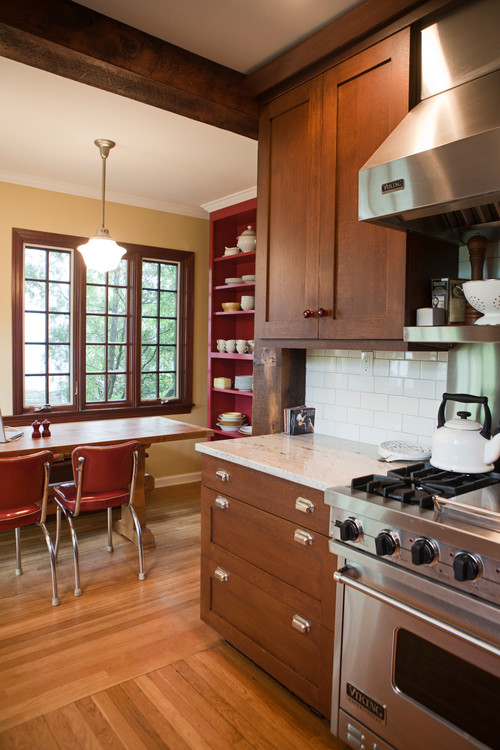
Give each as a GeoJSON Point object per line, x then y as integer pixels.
{"type": "Point", "coordinates": [284, 641]}
{"type": "Point", "coordinates": [289, 552]}
{"type": "Point", "coordinates": [297, 503]}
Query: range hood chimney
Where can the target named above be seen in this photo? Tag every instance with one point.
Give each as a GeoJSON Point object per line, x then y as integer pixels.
{"type": "Point", "coordinates": [438, 173]}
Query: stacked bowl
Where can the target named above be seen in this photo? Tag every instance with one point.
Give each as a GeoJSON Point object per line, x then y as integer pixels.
{"type": "Point", "coordinates": [230, 421]}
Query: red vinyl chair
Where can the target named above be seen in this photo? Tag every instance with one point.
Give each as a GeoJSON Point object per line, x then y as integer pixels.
{"type": "Point", "coordinates": [104, 478]}
{"type": "Point", "coordinates": [24, 484]}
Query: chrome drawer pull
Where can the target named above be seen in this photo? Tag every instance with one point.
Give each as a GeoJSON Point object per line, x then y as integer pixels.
{"type": "Point", "coordinates": [222, 474]}
{"type": "Point", "coordinates": [304, 505]}
{"type": "Point", "coordinates": [220, 574]}
{"type": "Point", "coordinates": [302, 537]}
{"type": "Point", "coordinates": [221, 502]}
{"type": "Point", "coordinates": [301, 624]}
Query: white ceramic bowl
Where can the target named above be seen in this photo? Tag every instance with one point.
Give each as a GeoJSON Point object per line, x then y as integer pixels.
{"type": "Point", "coordinates": [484, 296]}
{"type": "Point", "coordinates": [228, 427]}
{"type": "Point", "coordinates": [233, 280]}
{"type": "Point", "coordinates": [248, 277]}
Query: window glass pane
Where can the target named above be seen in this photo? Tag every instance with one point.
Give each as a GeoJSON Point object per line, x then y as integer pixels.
{"type": "Point", "coordinates": [35, 359]}
{"type": "Point", "coordinates": [59, 328]}
{"type": "Point", "coordinates": [149, 331]}
{"type": "Point", "coordinates": [149, 302]}
{"type": "Point", "coordinates": [150, 275]}
{"type": "Point", "coordinates": [167, 358]}
{"type": "Point", "coordinates": [96, 299]}
{"type": "Point", "coordinates": [118, 277]}
{"type": "Point", "coordinates": [34, 390]}
{"type": "Point", "coordinates": [117, 300]}
{"type": "Point", "coordinates": [34, 327]}
{"type": "Point", "coordinates": [168, 332]}
{"type": "Point", "coordinates": [58, 358]}
{"type": "Point", "coordinates": [169, 276]}
{"type": "Point", "coordinates": [117, 358]}
{"type": "Point", "coordinates": [168, 304]}
{"type": "Point", "coordinates": [59, 297]}
{"type": "Point", "coordinates": [117, 330]}
{"type": "Point", "coordinates": [149, 386]}
{"type": "Point", "coordinates": [60, 266]}
{"type": "Point", "coordinates": [35, 295]}
{"type": "Point", "coordinates": [96, 329]}
{"type": "Point", "coordinates": [95, 388]}
{"type": "Point", "coordinates": [167, 385]}
{"type": "Point", "coordinates": [96, 358]}
{"type": "Point", "coordinates": [95, 277]}
{"type": "Point", "coordinates": [116, 387]}
{"type": "Point", "coordinates": [34, 263]}
{"type": "Point", "coordinates": [149, 362]}
{"type": "Point", "coordinates": [59, 389]}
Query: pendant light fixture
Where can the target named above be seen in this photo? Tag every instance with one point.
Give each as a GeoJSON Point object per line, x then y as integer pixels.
{"type": "Point", "coordinates": [101, 253]}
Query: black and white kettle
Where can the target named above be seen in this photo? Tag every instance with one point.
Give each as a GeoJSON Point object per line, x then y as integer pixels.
{"type": "Point", "coordinates": [462, 444]}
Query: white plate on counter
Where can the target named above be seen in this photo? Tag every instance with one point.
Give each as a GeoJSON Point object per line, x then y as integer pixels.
{"type": "Point", "coordinates": [401, 450]}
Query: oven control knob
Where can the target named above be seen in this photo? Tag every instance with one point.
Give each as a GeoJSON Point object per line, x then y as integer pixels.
{"type": "Point", "coordinates": [386, 543]}
{"type": "Point", "coordinates": [350, 530]}
{"type": "Point", "coordinates": [467, 566]}
{"type": "Point", "coordinates": [424, 551]}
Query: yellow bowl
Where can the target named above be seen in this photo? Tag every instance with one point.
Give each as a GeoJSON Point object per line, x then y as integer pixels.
{"type": "Point", "coordinates": [231, 306]}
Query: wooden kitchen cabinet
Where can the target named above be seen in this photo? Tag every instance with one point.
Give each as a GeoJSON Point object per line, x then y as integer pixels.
{"type": "Point", "coordinates": [267, 575]}
{"type": "Point", "coordinates": [322, 275]}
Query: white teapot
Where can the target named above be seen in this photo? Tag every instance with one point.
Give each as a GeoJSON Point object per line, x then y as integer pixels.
{"type": "Point", "coordinates": [247, 240]}
{"type": "Point", "coordinates": [462, 444]}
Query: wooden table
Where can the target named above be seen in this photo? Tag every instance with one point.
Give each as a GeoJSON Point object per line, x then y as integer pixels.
{"type": "Point", "coordinates": [66, 436]}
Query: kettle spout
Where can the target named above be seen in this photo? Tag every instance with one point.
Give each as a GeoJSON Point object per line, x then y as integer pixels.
{"type": "Point", "coordinates": [492, 450]}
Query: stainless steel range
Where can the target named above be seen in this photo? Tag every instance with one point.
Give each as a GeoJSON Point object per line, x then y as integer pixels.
{"type": "Point", "coordinates": [417, 631]}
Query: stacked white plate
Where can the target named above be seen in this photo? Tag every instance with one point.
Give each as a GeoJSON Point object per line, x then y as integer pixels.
{"type": "Point", "coordinates": [231, 421]}
{"type": "Point", "coordinates": [243, 382]}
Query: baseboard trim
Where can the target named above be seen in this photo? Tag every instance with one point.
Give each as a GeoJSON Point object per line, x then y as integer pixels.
{"type": "Point", "coordinates": [176, 479]}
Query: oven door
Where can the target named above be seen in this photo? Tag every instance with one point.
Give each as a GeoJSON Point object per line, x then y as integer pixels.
{"type": "Point", "coordinates": [417, 664]}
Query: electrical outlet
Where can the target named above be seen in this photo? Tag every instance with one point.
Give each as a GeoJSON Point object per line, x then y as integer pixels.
{"type": "Point", "coordinates": [367, 363]}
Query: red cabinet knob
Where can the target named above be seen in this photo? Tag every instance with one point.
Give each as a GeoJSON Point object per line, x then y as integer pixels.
{"type": "Point", "coordinates": [308, 314]}
{"type": "Point", "coordinates": [322, 313]}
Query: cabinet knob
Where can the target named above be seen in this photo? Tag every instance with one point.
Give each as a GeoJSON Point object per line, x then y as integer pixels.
{"type": "Point", "coordinates": [302, 537]}
{"type": "Point", "coordinates": [301, 624]}
{"type": "Point", "coordinates": [221, 502]}
{"type": "Point", "coordinates": [304, 505]}
{"type": "Point", "coordinates": [220, 574]}
{"type": "Point", "coordinates": [322, 313]}
{"type": "Point", "coordinates": [308, 314]}
{"type": "Point", "coordinates": [222, 474]}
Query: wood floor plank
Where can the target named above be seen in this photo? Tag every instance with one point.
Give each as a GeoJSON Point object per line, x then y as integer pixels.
{"type": "Point", "coordinates": [101, 728]}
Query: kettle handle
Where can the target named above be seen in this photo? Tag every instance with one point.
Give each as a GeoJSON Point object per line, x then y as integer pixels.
{"type": "Point", "coordinates": [465, 398]}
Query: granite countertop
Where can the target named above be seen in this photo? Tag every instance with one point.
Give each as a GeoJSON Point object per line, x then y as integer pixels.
{"type": "Point", "coordinates": [317, 461]}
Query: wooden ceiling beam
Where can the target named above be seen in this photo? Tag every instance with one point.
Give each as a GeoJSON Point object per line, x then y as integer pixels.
{"type": "Point", "coordinates": [65, 38]}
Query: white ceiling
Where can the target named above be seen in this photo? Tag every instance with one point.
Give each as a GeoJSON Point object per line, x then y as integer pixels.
{"type": "Point", "coordinates": [161, 160]}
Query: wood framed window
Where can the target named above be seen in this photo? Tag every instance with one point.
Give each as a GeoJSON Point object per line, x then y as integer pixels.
{"type": "Point", "coordinates": [94, 345]}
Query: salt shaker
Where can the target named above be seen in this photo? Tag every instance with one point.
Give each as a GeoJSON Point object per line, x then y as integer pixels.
{"type": "Point", "coordinates": [46, 428]}
{"type": "Point", "coordinates": [36, 429]}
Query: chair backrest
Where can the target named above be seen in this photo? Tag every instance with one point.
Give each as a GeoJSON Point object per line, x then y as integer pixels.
{"type": "Point", "coordinates": [106, 467]}
{"type": "Point", "coordinates": [22, 479]}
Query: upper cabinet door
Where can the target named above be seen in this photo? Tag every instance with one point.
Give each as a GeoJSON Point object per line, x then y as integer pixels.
{"type": "Point", "coordinates": [288, 214]}
{"type": "Point", "coordinates": [362, 280]}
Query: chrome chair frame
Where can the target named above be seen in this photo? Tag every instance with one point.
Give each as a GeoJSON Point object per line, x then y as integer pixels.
{"type": "Point", "coordinates": [69, 515]}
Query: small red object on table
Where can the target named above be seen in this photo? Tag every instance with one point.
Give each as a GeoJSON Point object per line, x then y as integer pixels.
{"type": "Point", "coordinates": [36, 429]}
{"type": "Point", "coordinates": [46, 428]}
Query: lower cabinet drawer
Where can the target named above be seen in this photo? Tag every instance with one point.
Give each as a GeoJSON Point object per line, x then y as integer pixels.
{"type": "Point", "coordinates": [287, 643]}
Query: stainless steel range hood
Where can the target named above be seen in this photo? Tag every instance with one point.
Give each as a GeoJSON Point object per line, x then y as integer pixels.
{"type": "Point", "coordinates": [438, 173]}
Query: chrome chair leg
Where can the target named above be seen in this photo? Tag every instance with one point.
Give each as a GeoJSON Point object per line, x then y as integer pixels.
{"type": "Point", "coordinates": [58, 529]}
{"type": "Point", "coordinates": [52, 553]}
{"type": "Point", "coordinates": [110, 532]}
{"type": "Point", "coordinates": [138, 530]}
{"type": "Point", "coordinates": [19, 570]}
{"type": "Point", "coordinates": [74, 540]}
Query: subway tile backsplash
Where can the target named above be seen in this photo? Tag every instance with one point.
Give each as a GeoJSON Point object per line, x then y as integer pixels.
{"type": "Point", "coordinates": [399, 400]}
{"type": "Point", "coordinates": [394, 396]}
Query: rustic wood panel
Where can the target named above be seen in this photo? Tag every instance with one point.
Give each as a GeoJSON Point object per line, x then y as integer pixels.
{"type": "Point", "coordinates": [68, 39]}
{"type": "Point", "coordinates": [130, 664]}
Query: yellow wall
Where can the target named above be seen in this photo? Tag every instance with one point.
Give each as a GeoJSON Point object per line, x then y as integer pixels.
{"type": "Point", "coordinates": [47, 211]}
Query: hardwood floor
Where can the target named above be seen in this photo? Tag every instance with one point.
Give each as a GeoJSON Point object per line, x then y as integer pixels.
{"type": "Point", "coordinates": [130, 664]}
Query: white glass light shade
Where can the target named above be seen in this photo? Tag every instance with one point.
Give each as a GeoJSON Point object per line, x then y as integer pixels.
{"type": "Point", "coordinates": [101, 253]}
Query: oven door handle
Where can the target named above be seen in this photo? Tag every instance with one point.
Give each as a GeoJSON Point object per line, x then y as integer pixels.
{"type": "Point", "coordinates": [352, 583]}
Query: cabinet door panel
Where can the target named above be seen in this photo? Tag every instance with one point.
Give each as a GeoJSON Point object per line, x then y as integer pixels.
{"type": "Point", "coordinates": [362, 266]}
{"type": "Point", "coordinates": [289, 189]}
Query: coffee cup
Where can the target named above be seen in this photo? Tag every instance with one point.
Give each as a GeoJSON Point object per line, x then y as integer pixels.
{"type": "Point", "coordinates": [241, 346]}
{"type": "Point", "coordinates": [230, 346]}
{"type": "Point", "coordinates": [247, 302]}
{"type": "Point", "coordinates": [221, 345]}
{"type": "Point", "coordinates": [251, 344]}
